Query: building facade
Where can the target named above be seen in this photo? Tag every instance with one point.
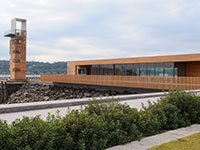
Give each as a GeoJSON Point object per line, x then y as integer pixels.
{"type": "Point", "coordinates": [162, 66]}
{"type": "Point", "coordinates": [158, 72]}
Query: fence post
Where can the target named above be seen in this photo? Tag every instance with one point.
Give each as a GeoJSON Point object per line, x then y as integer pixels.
{"type": "Point", "coordinates": [5, 91]}
{"type": "Point", "coordinates": [1, 93]}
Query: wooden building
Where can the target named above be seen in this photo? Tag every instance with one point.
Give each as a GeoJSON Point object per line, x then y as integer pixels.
{"type": "Point", "coordinates": [173, 65]}
{"type": "Point", "coordinates": [158, 72]}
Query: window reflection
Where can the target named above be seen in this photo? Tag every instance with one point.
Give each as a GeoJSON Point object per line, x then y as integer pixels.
{"type": "Point", "coordinates": [129, 69]}
{"type": "Point", "coordinates": [95, 70]}
{"type": "Point", "coordinates": [136, 69]}
{"type": "Point", "coordinates": [106, 69]}
{"type": "Point", "coordinates": [143, 69]}
{"type": "Point", "coordinates": [151, 69]}
{"type": "Point", "coordinates": [169, 69]}
{"type": "Point", "coordinates": [120, 69]}
{"type": "Point", "coordinates": [159, 69]}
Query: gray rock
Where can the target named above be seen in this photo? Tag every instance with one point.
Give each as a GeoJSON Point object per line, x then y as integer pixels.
{"type": "Point", "coordinates": [37, 92]}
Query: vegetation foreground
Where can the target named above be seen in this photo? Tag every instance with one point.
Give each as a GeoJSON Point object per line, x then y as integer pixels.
{"type": "Point", "coordinates": [100, 125]}
{"type": "Point", "coordinates": [187, 143]}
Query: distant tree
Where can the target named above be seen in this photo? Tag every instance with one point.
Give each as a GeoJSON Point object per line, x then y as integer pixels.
{"type": "Point", "coordinates": [33, 67]}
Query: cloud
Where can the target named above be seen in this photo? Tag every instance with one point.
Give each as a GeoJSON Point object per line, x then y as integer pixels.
{"type": "Point", "coordinates": [65, 49]}
{"type": "Point", "coordinates": [92, 29]}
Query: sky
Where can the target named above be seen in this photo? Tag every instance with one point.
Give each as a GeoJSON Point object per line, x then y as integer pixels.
{"type": "Point", "coordinates": [68, 30]}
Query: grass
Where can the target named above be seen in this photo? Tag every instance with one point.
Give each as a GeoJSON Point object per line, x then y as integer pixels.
{"type": "Point", "coordinates": [188, 143]}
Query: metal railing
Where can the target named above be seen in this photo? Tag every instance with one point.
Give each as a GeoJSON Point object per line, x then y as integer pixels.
{"type": "Point", "coordinates": [15, 32]}
{"type": "Point", "coordinates": [33, 78]}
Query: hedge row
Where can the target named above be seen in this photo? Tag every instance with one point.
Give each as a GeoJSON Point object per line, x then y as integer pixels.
{"type": "Point", "coordinates": [100, 125]}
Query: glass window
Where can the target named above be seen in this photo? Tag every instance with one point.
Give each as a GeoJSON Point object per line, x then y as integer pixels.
{"type": "Point", "coordinates": [120, 69]}
{"type": "Point", "coordinates": [143, 70]}
{"type": "Point", "coordinates": [159, 69]}
{"type": "Point", "coordinates": [95, 69]}
{"type": "Point", "coordinates": [129, 69]}
{"type": "Point", "coordinates": [136, 69]}
{"type": "Point", "coordinates": [151, 69]}
{"type": "Point", "coordinates": [169, 69]}
{"type": "Point", "coordinates": [106, 69]}
{"type": "Point", "coordinates": [101, 70]}
{"type": "Point", "coordinates": [81, 71]}
{"type": "Point", "coordinates": [109, 69]}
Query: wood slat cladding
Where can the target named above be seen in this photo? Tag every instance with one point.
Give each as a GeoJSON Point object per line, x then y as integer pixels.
{"type": "Point", "coordinates": [72, 65]}
{"type": "Point", "coordinates": [193, 69]}
{"type": "Point", "coordinates": [163, 83]}
{"type": "Point", "coordinates": [153, 59]}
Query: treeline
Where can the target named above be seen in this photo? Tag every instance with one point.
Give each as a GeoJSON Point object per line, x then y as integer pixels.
{"type": "Point", "coordinates": [33, 67]}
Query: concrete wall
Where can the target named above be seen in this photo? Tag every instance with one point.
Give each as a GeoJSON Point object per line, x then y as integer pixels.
{"type": "Point", "coordinates": [6, 89]}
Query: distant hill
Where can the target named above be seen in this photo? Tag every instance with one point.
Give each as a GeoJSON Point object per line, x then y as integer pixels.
{"type": "Point", "coordinates": [34, 67]}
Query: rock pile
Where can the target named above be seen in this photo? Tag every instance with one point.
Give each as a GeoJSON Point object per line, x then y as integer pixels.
{"type": "Point", "coordinates": [37, 92]}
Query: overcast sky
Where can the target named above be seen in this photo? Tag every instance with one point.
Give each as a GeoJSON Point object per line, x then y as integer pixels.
{"type": "Point", "coordinates": [66, 30]}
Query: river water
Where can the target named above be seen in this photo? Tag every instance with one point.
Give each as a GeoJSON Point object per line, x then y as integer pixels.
{"type": "Point", "coordinates": [6, 76]}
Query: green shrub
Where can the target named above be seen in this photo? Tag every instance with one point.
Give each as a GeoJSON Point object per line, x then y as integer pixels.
{"type": "Point", "coordinates": [88, 131]}
{"type": "Point", "coordinates": [121, 121]}
{"type": "Point", "coordinates": [31, 133]}
{"type": "Point", "coordinates": [149, 121]}
{"type": "Point", "coordinates": [100, 125]}
{"type": "Point", "coordinates": [5, 136]}
{"type": "Point", "coordinates": [187, 103]}
{"type": "Point", "coordinates": [160, 116]}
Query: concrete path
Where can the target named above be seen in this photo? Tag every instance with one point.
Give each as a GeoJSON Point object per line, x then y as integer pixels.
{"type": "Point", "coordinates": [135, 103]}
{"type": "Point", "coordinates": [19, 107]}
{"type": "Point", "coordinates": [10, 112]}
{"type": "Point", "coordinates": [159, 139]}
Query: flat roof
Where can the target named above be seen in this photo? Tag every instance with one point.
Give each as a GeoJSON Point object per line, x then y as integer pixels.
{"type": "Point", "coordinates": [151, 59]}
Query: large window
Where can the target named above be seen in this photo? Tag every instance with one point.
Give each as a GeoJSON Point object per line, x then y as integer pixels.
{"type": "Point", "coordinates": [120, 69]}
{"type": "Point", "coordinates": [95, 70]}
{"type": "Point", "coordinates": [129, 69]}
{"type": "Point", "coordinates": [151, 69]}
{"type": "Point", "coordinates": [106, 69]}
{"type": "Point", "coordinates": [136, 69]}
{"type": "Point", "coordinates": [169, 69]}
{"type": "Point", "coordinates": [159, 69]}
{"type": "Point", "coordinates": [142, 69]}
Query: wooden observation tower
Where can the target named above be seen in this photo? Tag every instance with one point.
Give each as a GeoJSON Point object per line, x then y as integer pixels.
{"type": "Point", "coordinates": [17, 49]}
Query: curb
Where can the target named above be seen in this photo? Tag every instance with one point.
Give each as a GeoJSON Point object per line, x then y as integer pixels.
{"type": "Point", "coordinates": [19, 107]}
{"type": "Point", "coordinates": [155, 140]}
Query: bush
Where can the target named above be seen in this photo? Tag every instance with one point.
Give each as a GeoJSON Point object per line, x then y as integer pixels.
{"type": "Point", "coordinates": [121, 121]}
{"type": "Point", "coordinates": [100, 125]}
{"type": "Point", "coordinates": [160, 116]}
{"type": "Point", "coordinates": [187, 103]}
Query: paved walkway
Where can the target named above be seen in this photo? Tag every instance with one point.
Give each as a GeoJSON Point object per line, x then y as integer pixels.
{"type": "Point", "coordinates": [135, 103]}
{"type": "Point", "coordinates": [159, 139]}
